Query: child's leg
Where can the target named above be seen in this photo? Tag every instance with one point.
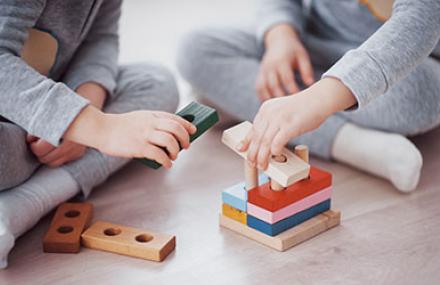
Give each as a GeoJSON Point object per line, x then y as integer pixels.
{"type": "Point", "coordinates": [16, 161]}
{"type": "Point", "coordinates": [139, 87]}
{"type": "Point", "coordinates": [411, 107]}
{"type": "Point", "coordinates": [222, 65]}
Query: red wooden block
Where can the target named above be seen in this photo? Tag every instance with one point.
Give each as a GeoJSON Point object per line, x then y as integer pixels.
{"type": "Point", "coordinates": [64, 234]}
{"type": "Point", "coordinates": [270, 200]}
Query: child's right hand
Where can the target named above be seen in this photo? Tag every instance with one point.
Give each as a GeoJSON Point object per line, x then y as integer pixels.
{"type": "Point", "coordinates": [142, 134]}
{"type": "Point", "coordinates": [284, 53]}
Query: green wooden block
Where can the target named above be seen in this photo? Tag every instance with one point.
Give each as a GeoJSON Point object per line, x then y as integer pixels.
{"type": "Point", "coordinates": [203, 117]}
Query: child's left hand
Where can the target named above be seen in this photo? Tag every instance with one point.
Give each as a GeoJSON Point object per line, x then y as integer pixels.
{"type": "Point", "coordinates": [55, 156]}
{"type": "Point", "coordinates": [284, 118]}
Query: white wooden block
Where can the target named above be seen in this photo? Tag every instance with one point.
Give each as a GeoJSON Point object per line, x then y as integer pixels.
{"type": "Point", "coordinates": [285, 173]}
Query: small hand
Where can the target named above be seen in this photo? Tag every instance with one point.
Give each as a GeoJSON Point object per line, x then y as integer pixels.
{"type": "Point", "coordinates": [281, 119]}
{"type": "Point", "coordinates": [284, 53]}
{"type": "Point", "coordinates": [55, 156]}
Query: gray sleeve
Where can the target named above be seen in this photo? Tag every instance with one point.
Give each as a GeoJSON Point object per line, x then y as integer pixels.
{"type": "Point", "coordinates": [39, 105]}
{"type": "Point", "coordinates": [97, 58]}
{"type": "Point", "coordinates": [392, 52]}
{"type": "Point", "coordinates": [274, 12]}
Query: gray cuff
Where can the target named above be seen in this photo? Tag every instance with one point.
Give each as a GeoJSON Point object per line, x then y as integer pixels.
{"type": "Point", "coordinates": [51, 121]}
{"type": "Point", "coordinates": [98, 74]}
{"type": "Point", "coordinates": [295, 19]}
{"type": "Point", "coordinates": [361, 74]}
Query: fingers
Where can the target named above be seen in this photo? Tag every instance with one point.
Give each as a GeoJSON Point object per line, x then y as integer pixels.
{"type": "Point", "coordinates": [275, 87]}
{"type": "Point", "coordinates": [262, 90]}
{"type": "Point", "coordinates": [167, 141]}
{"type": "Point", "coordinates": [30, 138]}
{"type": "Point", "coordinates": [280, 140]}
{"type": "Point", "coordinates": [175, 129]}
{"type": "Point", "coordinates": [41, 148]}
{"type": "Point", "coordinates": [258, 131]}
{"type": "Point", "coordinates": [67, 152]}
{"type": "Point", "coordinates": [305, 68]}
{"type": "Point", "coordinates": [188, 126]}
{"type": "Point", "coordinates": [156, 153]}
{"type": "Point", "coordinates": [264, 152]}
{"type": "Point", "coordinates": [288, 78]}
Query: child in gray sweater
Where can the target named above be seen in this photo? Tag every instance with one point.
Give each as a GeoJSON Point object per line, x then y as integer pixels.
{"type": "Point", "coordinates": [58, 70]}
{"type": "Point", "coordinates": [369, 72]}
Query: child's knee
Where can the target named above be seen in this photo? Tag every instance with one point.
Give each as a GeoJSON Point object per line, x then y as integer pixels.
{"type": "Point", "coordinates": [16, 162]}
{"type": "Point", "coordinates": [194, 49]}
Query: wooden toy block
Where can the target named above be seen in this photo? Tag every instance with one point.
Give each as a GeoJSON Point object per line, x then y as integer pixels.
{"type": "Point", "coordinates": [203, 117]}
{"type": "Point", "coordinates": [64, 234]}
{"type": "Point", "coordinates": [128, 241]}
{"type": "Point", "coordinates": [290, 222]}
{"type": "Point", "coordinates": [234, 214]}
{"type": "Point", "coordinates": [292, 209]}
{"type": "Point", "coordinates": [236, 196]}
{"type": "Point", "coordinates": [284, 173]}
{"type": "Point", "coordinates": [291, 237]}
{"type": "Point", "coordinates": [251, 175]}
{"type": "Point", "coordinates": [265, 198]}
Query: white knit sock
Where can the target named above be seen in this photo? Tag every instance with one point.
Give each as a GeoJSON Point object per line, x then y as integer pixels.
{"type": "Point", "coordinates": [23, 206]}
{"type": "Point", "coordinates": [388, 155]}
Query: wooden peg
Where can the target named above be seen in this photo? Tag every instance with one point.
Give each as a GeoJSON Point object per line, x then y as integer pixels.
{"type": "Point", "coordinates": [302, 151]}
{"type": "Point", "coordinates": [275, 186]}
{"type": "Point", "coordinates": [251, 176]}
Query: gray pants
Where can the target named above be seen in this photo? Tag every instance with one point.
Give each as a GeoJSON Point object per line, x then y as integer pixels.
{"type": "Point", "coordinates": [222, 65]}
{"type": "Point", "coordinates": [141, 86]}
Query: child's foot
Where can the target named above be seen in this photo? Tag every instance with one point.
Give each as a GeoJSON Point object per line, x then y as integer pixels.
{"type": "Point", "coordinates": [388, 155]}
{"type": "Point", "coordinates": [23, 206]}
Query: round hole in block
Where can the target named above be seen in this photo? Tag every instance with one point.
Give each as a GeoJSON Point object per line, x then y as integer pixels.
{"type": "Point", "coordinates": [65, 229]}
{"type": "Point", "coordinates": [279, 158]}
{"type": "Point", "coordinates": [72, 214]}
{"type": "Point", "coordinates": [143, 238]}
{"type": "Point", "coordinates": [190, 118]}
{"type": "Point", "coordinates": [112, 232]}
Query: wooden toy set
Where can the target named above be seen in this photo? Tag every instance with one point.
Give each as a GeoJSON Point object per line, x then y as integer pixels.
{"type": "Point", "coordinates": [287, 205]}
{"type": "Point", "coordinates": [70, 228]}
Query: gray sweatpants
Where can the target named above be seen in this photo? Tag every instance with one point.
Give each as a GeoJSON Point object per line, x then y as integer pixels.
{"type": "Point", "coordinates": [222, 65]}
{"type": "Point", "coordinates": [140, 86]}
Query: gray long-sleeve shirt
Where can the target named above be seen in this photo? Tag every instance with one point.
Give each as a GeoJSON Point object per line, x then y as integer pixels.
{"type": "Point", "coordinates": [87, 35]}
{"type": "Point", "coordinates": [377, 55]}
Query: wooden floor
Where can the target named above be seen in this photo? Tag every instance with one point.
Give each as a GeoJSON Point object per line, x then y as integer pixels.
{"type": "Point", "coordinates": [385, 237]}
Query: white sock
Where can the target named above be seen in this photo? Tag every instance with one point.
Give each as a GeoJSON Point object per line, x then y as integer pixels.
{"type": "Point", "coordinates": [388, 155]}
{"type": "Point", "coordinates": [23, 206]}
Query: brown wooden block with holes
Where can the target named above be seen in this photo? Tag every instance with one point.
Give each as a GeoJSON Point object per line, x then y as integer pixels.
{"type": "Point", "coordinates": [64, 234]}
{"type": "Point", "coordinates": [128, 241]}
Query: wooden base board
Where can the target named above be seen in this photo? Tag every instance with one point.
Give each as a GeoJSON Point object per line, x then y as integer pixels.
{"type": "Point", "coordinates": [128, 241]}
{"type": "Point", "coordinates": [289, 238]}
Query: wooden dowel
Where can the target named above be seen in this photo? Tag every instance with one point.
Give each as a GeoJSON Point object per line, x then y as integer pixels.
{"type": "Point", "coordinates": [275, 186]}
{"type": "Point", "coordinates": [251, 176]}
{"type": "Point", "coordinates": [302, 151]}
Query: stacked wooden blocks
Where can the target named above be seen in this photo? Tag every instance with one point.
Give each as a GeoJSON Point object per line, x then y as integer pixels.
{"type": "Point", "coordinates": [289, 205]}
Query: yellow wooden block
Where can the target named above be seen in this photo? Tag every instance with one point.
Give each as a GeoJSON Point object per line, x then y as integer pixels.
{"type": "Point", "coordinates": [234, 214]}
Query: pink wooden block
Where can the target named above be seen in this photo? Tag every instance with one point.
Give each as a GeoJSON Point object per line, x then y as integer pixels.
{"type": "Point", "coordinates": [273, 217]}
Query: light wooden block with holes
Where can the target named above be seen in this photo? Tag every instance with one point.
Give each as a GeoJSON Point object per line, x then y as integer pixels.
{"type": "Point", "coordinates": [64, 234]}
{"type": "Point", "coordinates": [128, 241]}
{"type": "Point", "coordinates": [291, 237]}
{"type": "Point", "coordinates": [285, 173]}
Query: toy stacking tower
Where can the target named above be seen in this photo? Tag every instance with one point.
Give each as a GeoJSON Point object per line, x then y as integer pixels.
{"type": "Point", "coordinates": [287, 205]}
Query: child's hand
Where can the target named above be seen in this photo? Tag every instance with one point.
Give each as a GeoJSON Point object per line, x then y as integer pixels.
{"type": "Point", "coordinates": [150, 134]}
{"type": "Point", "coordinates": [284, 53]}
{"type": "Point", "coordinates": [55, 156]}
{"type": "Point", "coordinates": [282, 119]}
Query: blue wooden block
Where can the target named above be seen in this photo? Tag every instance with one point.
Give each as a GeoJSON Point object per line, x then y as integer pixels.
{"type": "Point", "coordinates": [287, 223]}
{"type": "Point", "coordinates": [236, 196]}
